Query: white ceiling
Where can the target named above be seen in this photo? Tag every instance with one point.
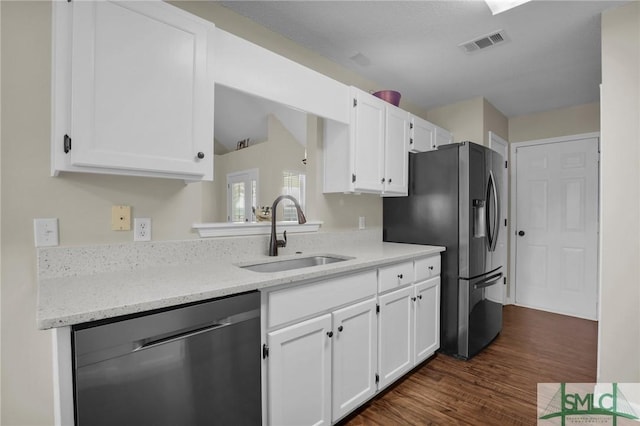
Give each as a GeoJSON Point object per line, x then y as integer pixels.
{"type": "Point", "coordinates": [552, 58]}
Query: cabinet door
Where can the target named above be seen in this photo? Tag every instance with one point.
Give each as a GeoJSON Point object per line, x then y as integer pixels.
{"type": "Point", "coordinates": [423, 135]}
{"type": "Point", "coordinates": [396, 151]}
{"type": "Point", "coordinates": [367, 135]}
{"type": "Point", "coordinates": [141, 89]}
{"type": "Point", "coordinates": [354, 356]}
{"type": "Point", "coordinates": [427, 319]}
{"type": "Point", "coordinates": [395, 349]}
{"type": "Point", "coordinates": [299, 373]}
{"type": "Point", "coordinates": [442, 137]}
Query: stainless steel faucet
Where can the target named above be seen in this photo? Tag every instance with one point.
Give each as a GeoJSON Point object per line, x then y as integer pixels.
{"type": "Point", "coordinates": [274, 242]}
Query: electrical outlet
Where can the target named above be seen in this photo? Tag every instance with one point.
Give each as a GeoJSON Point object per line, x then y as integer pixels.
{"type": "Point", "coordinates": [142, 229]}
{"type": "Point", "coordinates": [45, 232]}
{"type": "Point", "coordinates": [121, 218]}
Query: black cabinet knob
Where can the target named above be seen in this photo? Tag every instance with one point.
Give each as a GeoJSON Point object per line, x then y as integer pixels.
{"type": "Point", "coordinates": [201, 155]}
{"type": "Point", "coordinates": [420, 296]}
{"type": "Point", "coordinates": [389, 180]}
{"type": "Point", "coordinates": [330, 333]}
{"type": "Point", "coordinates": [340, 328]}
{"type": "Point", "coordinates": [382, 180]}
{"type": "Point", "coordinates": [431, 268]}
{"type": "Point", "coordinates": [400, 276]}
{"type": "Point", "coordinates": [521, 233]}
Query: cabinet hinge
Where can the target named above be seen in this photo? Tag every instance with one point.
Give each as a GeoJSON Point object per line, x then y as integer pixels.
{"type": "Point", "coordinates": [265, 351]}
{"type": "Point", "coordinates": [410, 141]}
{"type": "Point", "coordinates": [411, 125]}
{"type": "Point", "coordinates": [377, 308]}
{"type": "Point", "coordinates": [355, 102]}
{"type": "Point", "coordinates": [67, 144]}
{"type": "Point", "coordinates": [353, 178]}
{"type": "Point", "coordinates": [506, 164]}
{"type": "Point", "coordinates": [504, 280]}
{"type": "Point", "coordinates": [377, 378]}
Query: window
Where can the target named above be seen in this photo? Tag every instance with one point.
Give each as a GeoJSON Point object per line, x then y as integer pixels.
{"type": "Point", "coordinates": [242, 195]}
{"type": "Point", "coordinates": [293, 183]}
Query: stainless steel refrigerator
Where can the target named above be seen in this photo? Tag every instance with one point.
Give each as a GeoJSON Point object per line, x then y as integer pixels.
{"type": "Point", "coordinates": [454, 201]}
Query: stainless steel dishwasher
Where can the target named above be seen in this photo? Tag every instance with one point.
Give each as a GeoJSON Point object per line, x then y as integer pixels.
{"type": "Point", "coordinates": [192, 365]}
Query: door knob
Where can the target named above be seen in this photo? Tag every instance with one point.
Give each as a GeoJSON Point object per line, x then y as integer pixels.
{"type": "Point", "coordinates": [521, 233]}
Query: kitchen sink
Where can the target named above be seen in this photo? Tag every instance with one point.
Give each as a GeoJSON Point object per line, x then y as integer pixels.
{"type": "Point", "coordinates": [297, 263]}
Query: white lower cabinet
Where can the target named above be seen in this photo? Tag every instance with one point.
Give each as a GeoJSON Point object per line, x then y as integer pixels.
{"type": "Point", "coordinates": [366, 331]}
{"type": "Point", "coordinates": [299, 373]}
{"type": "Point", "coordinates": [426, 319]}
{"type": "Point", "coordinates": [395, 330]}
{"type": "Point", "coordinates": [354, 356]}
{"type": "Point", "coordinates": [302, 388]}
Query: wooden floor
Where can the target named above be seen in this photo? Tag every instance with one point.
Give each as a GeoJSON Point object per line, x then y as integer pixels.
{"type": "Point", "coordinates": [497, 386]}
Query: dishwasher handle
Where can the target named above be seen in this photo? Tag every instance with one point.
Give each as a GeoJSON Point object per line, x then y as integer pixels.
{"type": "Point", "coordinates": [234, 319]}
{"type": "Point", "coordinates": [180, 336]}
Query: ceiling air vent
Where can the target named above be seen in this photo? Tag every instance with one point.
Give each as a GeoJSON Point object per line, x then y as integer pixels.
{"type": "Point", "coordinates": [496, 37]}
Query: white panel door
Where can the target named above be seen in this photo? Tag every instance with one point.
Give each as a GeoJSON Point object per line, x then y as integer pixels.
{"type": "Point", "coordinates": [427, 319]}
{"type": "Point", "coordinates": [422, 135]}
{"type": "Point", "coordinates": [395, 330]}
{"type": "Point", "coordinates": [556, 227]}
{"type": "Point", "coordinates": [299, 373]}
{"type": "Point", "coordinates": [142, 88]}
{"type": "Point", "coordinates": [367, 127]}
{"type": "Point", "coordinates": [355, 357]}
{"type": "Point", "coordinates": [396, 152]}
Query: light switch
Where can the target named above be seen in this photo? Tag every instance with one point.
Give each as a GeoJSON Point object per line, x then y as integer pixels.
{"type": "Point", "coordinates": [46, 232]}
{"type": "Point", "coordinates": [121, 218]}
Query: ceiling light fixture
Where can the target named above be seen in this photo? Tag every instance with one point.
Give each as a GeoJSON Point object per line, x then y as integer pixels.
{"type": "Point", "coordinates": [499, 6]}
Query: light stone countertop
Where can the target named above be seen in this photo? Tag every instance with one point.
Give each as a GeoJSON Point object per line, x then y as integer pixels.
{"type": "Point", "coordinates": [68, 296]}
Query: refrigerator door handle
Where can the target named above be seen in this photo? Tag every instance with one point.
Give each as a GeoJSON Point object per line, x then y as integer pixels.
{"type": "Point", "coordinates": [493, 227]}
{"type": "Point", "coordinates": [488, 282]}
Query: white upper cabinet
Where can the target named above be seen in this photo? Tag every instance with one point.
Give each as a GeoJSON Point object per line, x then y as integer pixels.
{"type": "Point", "coordinates": [423, 135]}
{"type": "Point", "coordinates": [443, 137]}
{"type": "Point", "coordinates": [370, 154]}
{"type": "Point", "coordinates": [396, 151]}
{"type": "Point", "coordinates": [426, 136]}
{"type": "Point", "coordinates": [367, 135]}
{"type": "Point", "coordinates": [133, 90]}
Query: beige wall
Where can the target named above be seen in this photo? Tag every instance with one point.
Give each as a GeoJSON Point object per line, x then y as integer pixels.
{"type": "Point", "coordinates": [281, 151]}
{"type": "Point", "coordinates": [619, 326]}
{"type": "Point", "coordinates": [560, 122]}
{"type": "Point", "coordinates": [471, 120]}
{"type": "Point", "coordinates": [493, 121]}
{"type": "Point", "coordinates": [464, 119]}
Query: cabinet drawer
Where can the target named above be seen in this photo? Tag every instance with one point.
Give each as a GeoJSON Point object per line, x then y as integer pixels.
{"type": "Point", "coordinates": [305, 300]}
{"type": "Point", "coordinates": [394, 276]}
{"type": "Point", "coordinates": [427, 267]}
